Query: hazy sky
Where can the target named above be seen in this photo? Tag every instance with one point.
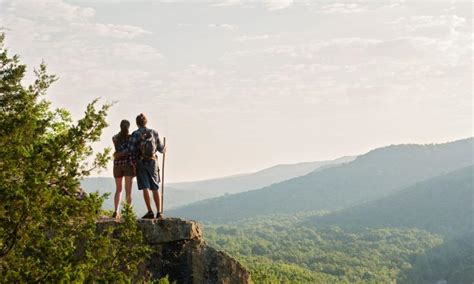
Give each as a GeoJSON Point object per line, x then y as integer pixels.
{"type": "Point", "coordinates": [237, 86]}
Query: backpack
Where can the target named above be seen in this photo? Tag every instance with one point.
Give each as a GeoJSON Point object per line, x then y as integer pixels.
{"type": "Point", "coordinates": [147, 144]}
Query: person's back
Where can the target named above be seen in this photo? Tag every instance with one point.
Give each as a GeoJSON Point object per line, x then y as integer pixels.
{"type": "Point", "coordinates": [144, 143]}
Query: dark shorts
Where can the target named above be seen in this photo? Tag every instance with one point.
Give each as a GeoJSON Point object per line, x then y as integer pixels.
{"type": "Point", "coordinates": [123, 171]}
{"type": "Point", "coordinates": [148, 175]}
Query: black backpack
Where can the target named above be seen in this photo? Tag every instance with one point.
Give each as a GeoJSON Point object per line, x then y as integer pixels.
{"type": "Point", "coordinates": [147, 144]}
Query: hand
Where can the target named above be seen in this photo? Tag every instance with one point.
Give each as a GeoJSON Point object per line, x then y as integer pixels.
{"type": "Point", "coordinates": [164, 150]}
{"type": "Point", "coordinates": [118, 155]}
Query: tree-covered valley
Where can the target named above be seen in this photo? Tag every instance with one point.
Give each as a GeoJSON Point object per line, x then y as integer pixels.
{"type": "Point", "coordinates": [399, 214]}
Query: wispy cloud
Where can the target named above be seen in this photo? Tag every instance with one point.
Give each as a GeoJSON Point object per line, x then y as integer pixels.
{"type": "Point", "coordinates": [278, 4]}
{"type": "Point", "coordinates": [245, 38]}
{"type": "Point", "coordinates": [271, 5]}
{"type": "Point", "coordinates": [342, 8]}
{"type": "Point", "coordinates": [222, 26]}
{"type": "Point", "coordinates": [73, 43]}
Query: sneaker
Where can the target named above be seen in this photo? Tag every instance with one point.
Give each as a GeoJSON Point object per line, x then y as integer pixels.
{"type": "Point", "coordinates": [159, 216]}
{"type": "Point", "coordinates": [149, 215]}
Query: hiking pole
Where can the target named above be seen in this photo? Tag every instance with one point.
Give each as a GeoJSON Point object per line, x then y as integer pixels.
{"type": "Point", "coordinates": [163, 177]}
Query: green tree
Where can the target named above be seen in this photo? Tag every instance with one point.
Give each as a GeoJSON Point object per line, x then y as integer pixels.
{"type": "Point", "coordinates": [48, 230]}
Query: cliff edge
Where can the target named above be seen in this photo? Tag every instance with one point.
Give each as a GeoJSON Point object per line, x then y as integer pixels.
{"type": "Point", "coordinates": [180, 252]}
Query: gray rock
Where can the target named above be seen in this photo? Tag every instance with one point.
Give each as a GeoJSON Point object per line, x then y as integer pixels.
{"type": "Point", "coordinates": [180, 252]}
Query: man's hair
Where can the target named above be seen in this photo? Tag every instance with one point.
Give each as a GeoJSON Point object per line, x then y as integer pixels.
{"type": "Point", "coordinates": [141, 120]}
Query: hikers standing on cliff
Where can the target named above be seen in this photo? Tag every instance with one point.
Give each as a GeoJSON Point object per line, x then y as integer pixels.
{"type": "Point", "coordinates": [143, 145]}
{"type": "Point", "coordinates": [124, 166]}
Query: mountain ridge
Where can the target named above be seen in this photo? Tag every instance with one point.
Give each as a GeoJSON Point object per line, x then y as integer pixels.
{"type": "Point", "coordinates": [442, 204]}
{"type": "Point", "coordinates": [370, 176]}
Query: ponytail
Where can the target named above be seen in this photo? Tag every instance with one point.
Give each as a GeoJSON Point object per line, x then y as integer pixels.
{"type": "Point", "coordinates": [124, 131]}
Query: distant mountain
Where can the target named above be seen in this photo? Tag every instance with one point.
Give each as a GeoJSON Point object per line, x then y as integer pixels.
{"type": "Point", "coordinates": [244, 182]}
{"type": "Point", "coordinates": [371, 176]}
{"type": "Point", "coordinates": [443, 204]}
{"type": "Point", "coordinates": [178, 194]}
{"type": "Point", "coordinates": [173, 197]}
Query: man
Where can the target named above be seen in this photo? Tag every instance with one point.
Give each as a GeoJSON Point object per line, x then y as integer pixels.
{"type": "Point", "coordinates": [144, 143]}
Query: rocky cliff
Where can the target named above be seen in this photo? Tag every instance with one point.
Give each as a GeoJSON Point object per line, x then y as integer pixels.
{"type": "Point", "coordinates": [180, 252]}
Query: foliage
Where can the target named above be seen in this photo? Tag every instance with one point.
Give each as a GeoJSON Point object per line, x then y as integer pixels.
{"type": "Point", "coordinates": [263, 270]}
{"type": "Point", "coordinates": [47, 226]}
{"type": "Point", "coordinates": [283, 249]}
{"type": "Point", "coordinates": [441, 205]}
{"type": "Point", "coordinates": [453, 261]}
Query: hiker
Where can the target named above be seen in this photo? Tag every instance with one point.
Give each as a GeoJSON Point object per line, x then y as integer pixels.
{"type": "Point", "coordinates": [143, 145]}
{"type": "Point", "coordinates": [124, 166]}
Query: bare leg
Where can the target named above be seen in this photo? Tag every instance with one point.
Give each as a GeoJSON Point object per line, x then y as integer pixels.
{"type": "Point", "coordinates": [128, 189]}
{"type": "Point", "coordinates": [118, 193]}
{"type": "Point", "coordinates": [157, 199]}
{"type": "Point", "coordinates": [146, 196]}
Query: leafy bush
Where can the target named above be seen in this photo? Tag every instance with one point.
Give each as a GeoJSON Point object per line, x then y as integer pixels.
{"type": "Point", "coordinates": [48, 229]}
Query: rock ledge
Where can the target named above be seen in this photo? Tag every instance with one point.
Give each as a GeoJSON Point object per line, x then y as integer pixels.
{"type": "Point", "coordinates": [180, 252]}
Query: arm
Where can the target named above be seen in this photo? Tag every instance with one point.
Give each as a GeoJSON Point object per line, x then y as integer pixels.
{"type": "Point", "coordinates": [159, 146]}
{"type": "Point", "coordinates": [120, 152]}
{"type": "Point", "coordinates": [114, 140]}
{"type": "Point", "coordinates": [117, 154]}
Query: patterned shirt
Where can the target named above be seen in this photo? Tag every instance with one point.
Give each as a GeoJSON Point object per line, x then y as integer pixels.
{"type": "Point", "coordinates": [122, 146]}
{"type": "Point", "coordinates": [134, 142]}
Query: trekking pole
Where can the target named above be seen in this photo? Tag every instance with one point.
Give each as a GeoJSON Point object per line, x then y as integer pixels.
{"type": "Point", "coordinates": [163, 177]}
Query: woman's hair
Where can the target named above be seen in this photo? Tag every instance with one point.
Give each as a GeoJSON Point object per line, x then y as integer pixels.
{"type": "Point", "coordinates": [141, 120]}
{"type": "Point", "coordinates": [124, 131]}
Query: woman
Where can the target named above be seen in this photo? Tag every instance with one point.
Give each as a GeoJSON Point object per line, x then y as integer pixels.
{"type": "Point", "coordinates": [124, 166]}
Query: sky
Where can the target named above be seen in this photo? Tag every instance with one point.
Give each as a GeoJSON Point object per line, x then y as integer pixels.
{"type": "Point", "coordinates": [237, 86]}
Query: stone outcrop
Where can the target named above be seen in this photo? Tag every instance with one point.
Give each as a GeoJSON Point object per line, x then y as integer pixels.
{"type": "Point", "coordinates": [180, 252]}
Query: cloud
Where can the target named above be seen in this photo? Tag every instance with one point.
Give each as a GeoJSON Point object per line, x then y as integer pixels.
{"type": "Point", "coordinates": [271, 5]}
{"type": "Point", "coordinates": [222, 26]}
{"type": "Point", "coordinates": [313, 49]}
{"type": "Point", "coordinates": [277, 4]}
{"type": "Point", "coordinates": [56, 17]}
{"type": "Point", "coordinates": [111, 30]}
{"type": "Point", "coordinates": [256, 37]}
{"type": "Point", "coordinates": [434, 25]}
{"type": "Point", "coordinates": [342, 8]}
{"type": "Point", "coordinates": [77, 46]}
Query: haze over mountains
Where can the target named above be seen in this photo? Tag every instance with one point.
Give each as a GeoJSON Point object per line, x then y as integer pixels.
{"type": "Point", "coordinates": [178, 194]}
{"type": "Point", "coordinates": [243, 182]}
{"type": "Point", "coordinates": [371, 176]}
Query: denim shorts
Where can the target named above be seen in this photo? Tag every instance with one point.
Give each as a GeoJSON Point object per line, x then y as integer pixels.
{"type": "Point", "coordinates": [148, 176]}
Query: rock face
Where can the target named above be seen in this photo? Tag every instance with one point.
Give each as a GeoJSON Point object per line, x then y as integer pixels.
{"type": "Point", "coordinates": [180, 252]}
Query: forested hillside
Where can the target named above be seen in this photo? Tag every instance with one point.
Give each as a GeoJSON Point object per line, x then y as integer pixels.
{"type": "Point", "coordinates": [442, 205]}
{"type": "Point", "coordinates": [371, 176]}
{"type": "Point", "coordinates": [453, 261]}
{"type": "Point", "coordinates": [422, 234]}
{"type": "Point", "coordinates": [280, 249]}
